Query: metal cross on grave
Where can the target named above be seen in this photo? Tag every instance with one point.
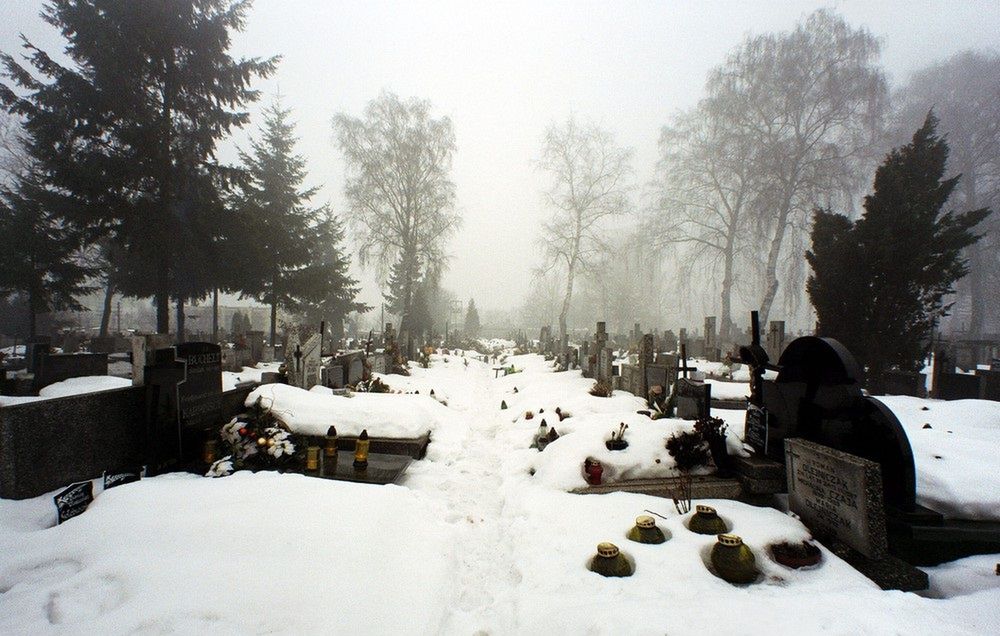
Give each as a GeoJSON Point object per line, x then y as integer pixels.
{"type": "Point", "coordinates": [684, 368]}
{"type": "Point", "coordinates": [298, 357]}
{"type": "Point", "coordinates": [756, 358]}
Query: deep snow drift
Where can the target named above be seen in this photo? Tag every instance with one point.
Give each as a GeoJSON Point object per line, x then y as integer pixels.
{"type": "Point", "coordinates": [470, 542]}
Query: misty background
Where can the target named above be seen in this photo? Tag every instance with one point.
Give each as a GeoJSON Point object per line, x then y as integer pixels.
{"type": "Point", "coordinates": [503, 72]}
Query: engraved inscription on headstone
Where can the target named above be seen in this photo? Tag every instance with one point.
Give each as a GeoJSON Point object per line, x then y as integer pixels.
{"type": "Point", "coordinates": [74, 500]}
{"type": "Point", "coordinates": [121, 476]}
{"type": "Point", "coordinates": [200, 394]}
{"type": "Point", "coordinates": [311, 361]}
{"type": "Point", "coordinates": [755, 428]}
{"type": "Point", "coordinates": [837, 494]}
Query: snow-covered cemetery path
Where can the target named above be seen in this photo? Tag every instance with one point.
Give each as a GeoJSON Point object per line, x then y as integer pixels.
{"type": "Point", "coordinates": [480, 537]}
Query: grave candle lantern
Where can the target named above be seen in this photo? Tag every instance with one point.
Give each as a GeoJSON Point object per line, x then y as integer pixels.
{"type": "Point", "coordinates": [706, 521]}
{"type": "Point", "coordinates": [645, 531]}
{"type": "Point", "coordinates": [609, 561]}
{"type": "Point", "coordinates": [733, 561]}
{"type": "Point", "coordinates": [208, 452]}
{"type": "Point", "coordinates": [361, 451]}
{"type": "Point", "coordinates": [330, 449]}
{"type": "Point", "coordinates": [594, 471]}
{"type": "Point", "coordinates": [312, 459]}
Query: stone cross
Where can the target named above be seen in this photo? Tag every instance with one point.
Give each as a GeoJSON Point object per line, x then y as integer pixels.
{"type": "Point", "coordinates": [712, 352]}
{"type": "Point", "coordinates": [684, 368]}
{"type": "Point", "coordinates": [776, 339]}
{"type": "Point", "coordinates": [600, 338]}
{"type": "Point", "coordinates": [646, 350]}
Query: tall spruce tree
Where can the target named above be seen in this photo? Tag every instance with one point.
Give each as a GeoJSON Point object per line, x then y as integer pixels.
{"type": "Point", "coordinates": [40, 257]}
{"type": "Point", "coordinates": [276, 204]}
{"type": "Point", "coordinates": [879, 284]}
{"type": "Point", "coordinates": [472, 325]}
{"type": "Point", "coordinates": [126, 136]}
{"type": "Point", "coordinates": [329, 293]}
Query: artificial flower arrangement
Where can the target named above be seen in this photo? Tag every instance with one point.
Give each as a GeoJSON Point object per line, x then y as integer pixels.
{"type": "Point", "coordinates": [257, 440]}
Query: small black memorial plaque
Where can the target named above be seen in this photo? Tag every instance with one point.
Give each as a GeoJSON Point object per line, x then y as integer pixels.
{"type": "Point", "coordinates": [74, 500]}
{"type": "Point", "coordinates": [122, 476]}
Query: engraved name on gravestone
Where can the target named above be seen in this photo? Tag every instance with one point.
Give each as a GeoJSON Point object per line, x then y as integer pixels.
{"type": "Point", "coordinates": [693, 399]}
{"type": "Point", "coordinates": [73, 500]}
{"type": "Point", "coordinates": [755, 428]}
{"type": "Point", "coordinates": [311, 362]}
{"type": "Point", "coordinates": [121, 476]}
{"type": "Point", "coordinates": [837, 494]}
{"type": "Point", "coordinates": [200, 394]}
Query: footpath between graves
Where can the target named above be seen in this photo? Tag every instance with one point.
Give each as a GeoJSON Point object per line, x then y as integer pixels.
{"type": "Point", "coordinates": [466, 477]}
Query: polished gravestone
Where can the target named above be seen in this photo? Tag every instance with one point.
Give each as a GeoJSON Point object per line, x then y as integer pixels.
{"type": "Point", "coordinates": [817, 396]}
{"type": "Point", "coordinates": [382, 468]}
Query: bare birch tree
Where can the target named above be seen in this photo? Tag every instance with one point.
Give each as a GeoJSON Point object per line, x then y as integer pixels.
{"type": "Point", "coordinates": [704, 194]}
{"type": "Point", "coordinates": [588, 184]}
{"type": "Point", "coordinates": [401, 197]}
{"type": "Point", "coordinates": [811, 101]}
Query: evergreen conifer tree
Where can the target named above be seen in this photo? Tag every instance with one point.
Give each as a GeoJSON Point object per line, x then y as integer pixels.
{"type": "Point", "coordinates": [329, 293]}
{"type": "Point", "coordinates": [879, 284]}
{"type": "Point", "coordinates": [472, 320]}
{"type": "Point", "coordinates": [40, 257]}
{"type": "Point", "coordinates": [126, 136]}
{"type": "Point", "coordinates": [274, 204]}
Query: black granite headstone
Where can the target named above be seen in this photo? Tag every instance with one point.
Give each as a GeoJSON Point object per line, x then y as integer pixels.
{"type": "Point", "coordinates": [817, 396]}
{"type": "Point", "coordinates": [693, 399]}
{"type": "Point", "coordinates": [74, 500]}
{"type": "Point", "coordinates": [162, 375]}
{"type": "Point", "coordinates": [200, 394]}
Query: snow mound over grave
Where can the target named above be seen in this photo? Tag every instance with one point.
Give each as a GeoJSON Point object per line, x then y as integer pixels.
{"type": "Point", "coordinates": [729, 390]}
{"type": "Point", "coordinates": [249, 374]}
{"type": "Point", "coordinates": [86, 384]}
{"type": "Point", "coordinates": [672, 591]}
{"type": "Point", "coordinates": [591, 421]}
{"type": "Point", "coordinates": [250, 553]}
{"type": "Point", "coordinates": [496, 344]}
{"type": "Point", "coordinates": [72, 386]}
{"type": "Point", "coordinates": [957, 460]}
{"type": "Point", "coordinates": [383, 414]}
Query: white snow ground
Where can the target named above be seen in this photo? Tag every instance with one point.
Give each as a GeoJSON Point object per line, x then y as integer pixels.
{"type": "Point", "coordinates": [470, 543]}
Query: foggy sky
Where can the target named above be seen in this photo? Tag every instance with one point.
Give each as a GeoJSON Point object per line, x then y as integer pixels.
{"type": "Point", "coordinates": [504, 71]}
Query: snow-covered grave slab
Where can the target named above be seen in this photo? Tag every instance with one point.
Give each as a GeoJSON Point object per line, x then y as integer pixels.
{"type": "Point", "coordinates": [248, 374]}
{"type": "Point", "coordinates": [72, 386]}
{"type": "Point", "coordinates": [381, 414]}
{"type": "Point", "coordinates": [957, 457]}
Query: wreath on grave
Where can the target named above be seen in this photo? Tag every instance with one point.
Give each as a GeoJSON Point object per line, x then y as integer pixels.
{"type": "Point", "coordinates": [257, 440]}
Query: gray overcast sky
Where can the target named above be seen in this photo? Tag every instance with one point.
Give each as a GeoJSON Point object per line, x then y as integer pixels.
{"type": "Point", "coordinates": [502, 71]}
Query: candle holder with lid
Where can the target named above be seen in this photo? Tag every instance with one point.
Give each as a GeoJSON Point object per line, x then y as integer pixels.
{"type": "Point", "coordinates": [609, 561]}
{"type": "Point", "coordinates": [706, 521]}
{"type": "Point", "coordinates": [733, 561]}
{"type": "Point", "coordinates": [645, 531]}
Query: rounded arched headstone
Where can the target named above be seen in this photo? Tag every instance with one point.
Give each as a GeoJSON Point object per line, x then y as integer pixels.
{"type": "Point", "coordinates": [817, 396]}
